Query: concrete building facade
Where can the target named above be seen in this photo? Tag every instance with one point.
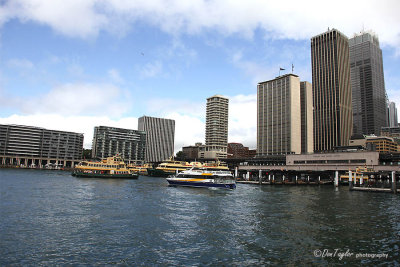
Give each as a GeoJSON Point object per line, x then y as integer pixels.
{"type": "Point", "coordinates": [392, 115]}
{"type": "Point", "coordinates": [191, 152]}
{"type": "Point", "coordinates": [217, 111]}
{"type": "Point", "coordinates": [237, 150]}
{"type": "Point", "coordinates": [368, 84]}
{"type": "Point", "coordinates": [279, 116]}
{"type": "Point", "coordinates": [382, 144]}
{"type": "Point", "coordinates": [109, 141]}
{"type": "Point", "coordinates": [306, 107]}
{"type": "Point", "coordinates": [333, 116]}
{"type": "Point", "coordinates": [38, 147]}
{"type": "Point", "coordinates": [160, 137]}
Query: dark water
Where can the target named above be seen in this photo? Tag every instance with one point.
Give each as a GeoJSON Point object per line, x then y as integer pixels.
{"type": "Point", "coordinates": [51, 218]}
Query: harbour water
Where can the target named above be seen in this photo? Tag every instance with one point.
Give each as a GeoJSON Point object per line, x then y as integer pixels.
{"type": "Point", "coordinates": [51, 218]}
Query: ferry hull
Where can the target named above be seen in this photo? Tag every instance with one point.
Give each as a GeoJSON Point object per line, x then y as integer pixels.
{"type": "Point", "coordinates": [158, 173]}
{"type": "Point", "coordinates": [201, 184]}
{"type": "Point", "coordinates": [105, 176]}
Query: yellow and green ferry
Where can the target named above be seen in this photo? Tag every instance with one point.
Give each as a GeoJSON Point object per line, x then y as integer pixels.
{"type": "Point", "coordinates": [171, 167]}
{"type": "Point", "coordinates": [111, 167]}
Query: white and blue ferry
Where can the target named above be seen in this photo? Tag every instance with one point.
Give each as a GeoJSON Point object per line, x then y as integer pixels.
{"type": "Point", "coordinates": [202, 177]}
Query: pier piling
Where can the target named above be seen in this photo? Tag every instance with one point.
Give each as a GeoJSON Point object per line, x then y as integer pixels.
{"type": "Point", "coordinates": [394, 185]}
{"type": "Point", "coordinates": [336, 178]}
{"type": "Point", "coordinates": [350, 180]}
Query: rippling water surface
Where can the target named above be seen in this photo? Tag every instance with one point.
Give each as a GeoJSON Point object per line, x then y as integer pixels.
{"type": "Point", "coordinates": [52, 218]}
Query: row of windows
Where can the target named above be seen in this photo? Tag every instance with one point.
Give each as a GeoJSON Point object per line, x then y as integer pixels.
{"type": "Point", "coordinates": [329, 161]}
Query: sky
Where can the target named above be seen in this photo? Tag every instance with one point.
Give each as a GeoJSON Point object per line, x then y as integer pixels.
{"type": "Point", "coordinates": [72, 65]}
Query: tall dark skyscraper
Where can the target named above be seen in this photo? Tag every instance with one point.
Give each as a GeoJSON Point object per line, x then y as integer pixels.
{"type": "Point", "coordinates": [333, 119]}
{"type": "Point", "coordinates": [368, 84]}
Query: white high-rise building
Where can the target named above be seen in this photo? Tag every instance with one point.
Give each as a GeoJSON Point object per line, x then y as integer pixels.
{"type": "Point", "coordinates": [216, 128]}
{"type": "Point", "coordinates": [279, 119]}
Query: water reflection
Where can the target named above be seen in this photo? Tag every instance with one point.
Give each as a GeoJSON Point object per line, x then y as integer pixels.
{"type": "Point", "coordinates": [51, 218]}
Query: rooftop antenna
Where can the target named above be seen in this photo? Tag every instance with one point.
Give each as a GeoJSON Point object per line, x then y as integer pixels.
{"type": "Point", "coordinates": [292, 67]}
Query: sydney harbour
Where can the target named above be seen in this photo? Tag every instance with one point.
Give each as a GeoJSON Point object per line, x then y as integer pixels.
{"type": "Point", "coordinates": [52, 218]}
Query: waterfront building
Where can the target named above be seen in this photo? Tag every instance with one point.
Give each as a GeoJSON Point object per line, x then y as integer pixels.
{"type": "Point", "coordinates": [392, 115]}
{"type": "Point", "coordinates": [191, 152]}
{"type": "Point", "coordinates": [216, 128]}
{"type": "Point", "coordinates": [160, 137]}
{"type": "Point", "coordinates": [237, 150]}
{"type": "Point", "coordinates": [306, 107]}
{"type": "Point", "coordinates": [39, 147]}
{"type": "Point", "coordinates": [279, 116]}
{"type": "Point", "coordinates": [333, 116]}
{"type": "Point", "coordinates": [391, 131]}
{"type": "Point", "coordinates": [367, 83]}
{"type": "Point", "coordinates": [382, 144]}
{"type": "Point", "coordinates": [109, 141]}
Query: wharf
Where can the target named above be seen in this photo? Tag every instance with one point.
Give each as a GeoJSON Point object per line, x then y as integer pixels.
{"type": "Point", "coordinates": [374, 189]}
{"type": "Point", "coordinates": [285, 183]}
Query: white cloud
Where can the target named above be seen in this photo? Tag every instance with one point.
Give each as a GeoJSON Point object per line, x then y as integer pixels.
{"type": "Point", "coordinates": [151, 69]}
{"type": "Point", "coordinates": [75, 99]}
{"type": "Point", "coordinates": [75, 70]}
{"type": "Point", "coordinates": [20, 63]}
{"type": "Point", "coordinates": [188, 130]}
{"type": "Point", "coordinates": [279, 19]}
{"type": "Point", "coordinates": [72, 18]}
{"type": "Point", "coordinates": [243, 120]}
{"type": "Point", "coordinates": [189, 126]}
{"type": "Point", "coordinates": [163, 106]}
{"type": "Point", "coordinates": [115, 76]}
{"type": "Point", "coordinates": [255, 70]}
{"type": "Point", "coordinates": [78, 124]}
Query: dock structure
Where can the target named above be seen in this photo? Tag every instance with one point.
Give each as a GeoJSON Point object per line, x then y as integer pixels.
{"type": "Point", "coordinates": [382, 181]}
{"type": "Point", "coordinates": [386, 183]}
{"type": "Point", "coordinates": [36, 162]}
{"type": "Point", "coordinates": [361, 169]}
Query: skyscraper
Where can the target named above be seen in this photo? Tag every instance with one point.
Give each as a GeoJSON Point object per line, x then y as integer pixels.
{"type": "Point", "coordinates": [392, 115]}
{"type": "Point", "coordinates": [216, 127]}
{"type": "Point", "coordinates": [333, 116]}
{"type": "Point", "coordinates": [367, 83]}
{"type": "Point", "coordinates": [306, 106]}
{"type": "Point", "coordinates": [279, 116]}
{"type": "Point", "coordinates": [160, 136]}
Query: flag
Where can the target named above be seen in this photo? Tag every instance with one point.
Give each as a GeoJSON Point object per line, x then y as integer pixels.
{"type": "Point", "coordinates": [281, 69]}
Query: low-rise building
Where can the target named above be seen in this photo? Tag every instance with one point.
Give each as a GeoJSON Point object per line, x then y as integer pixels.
{"type": "Point", "coordinates": [381, 144]}
{"type": "Point", "coordinates": [191, 152]}
{"type": "Point", "coordinates": [237, 150]}
{"type": "Point", "coordinates": [129, 144]}
{"type": "Point", "coordinates": [35, 146]}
